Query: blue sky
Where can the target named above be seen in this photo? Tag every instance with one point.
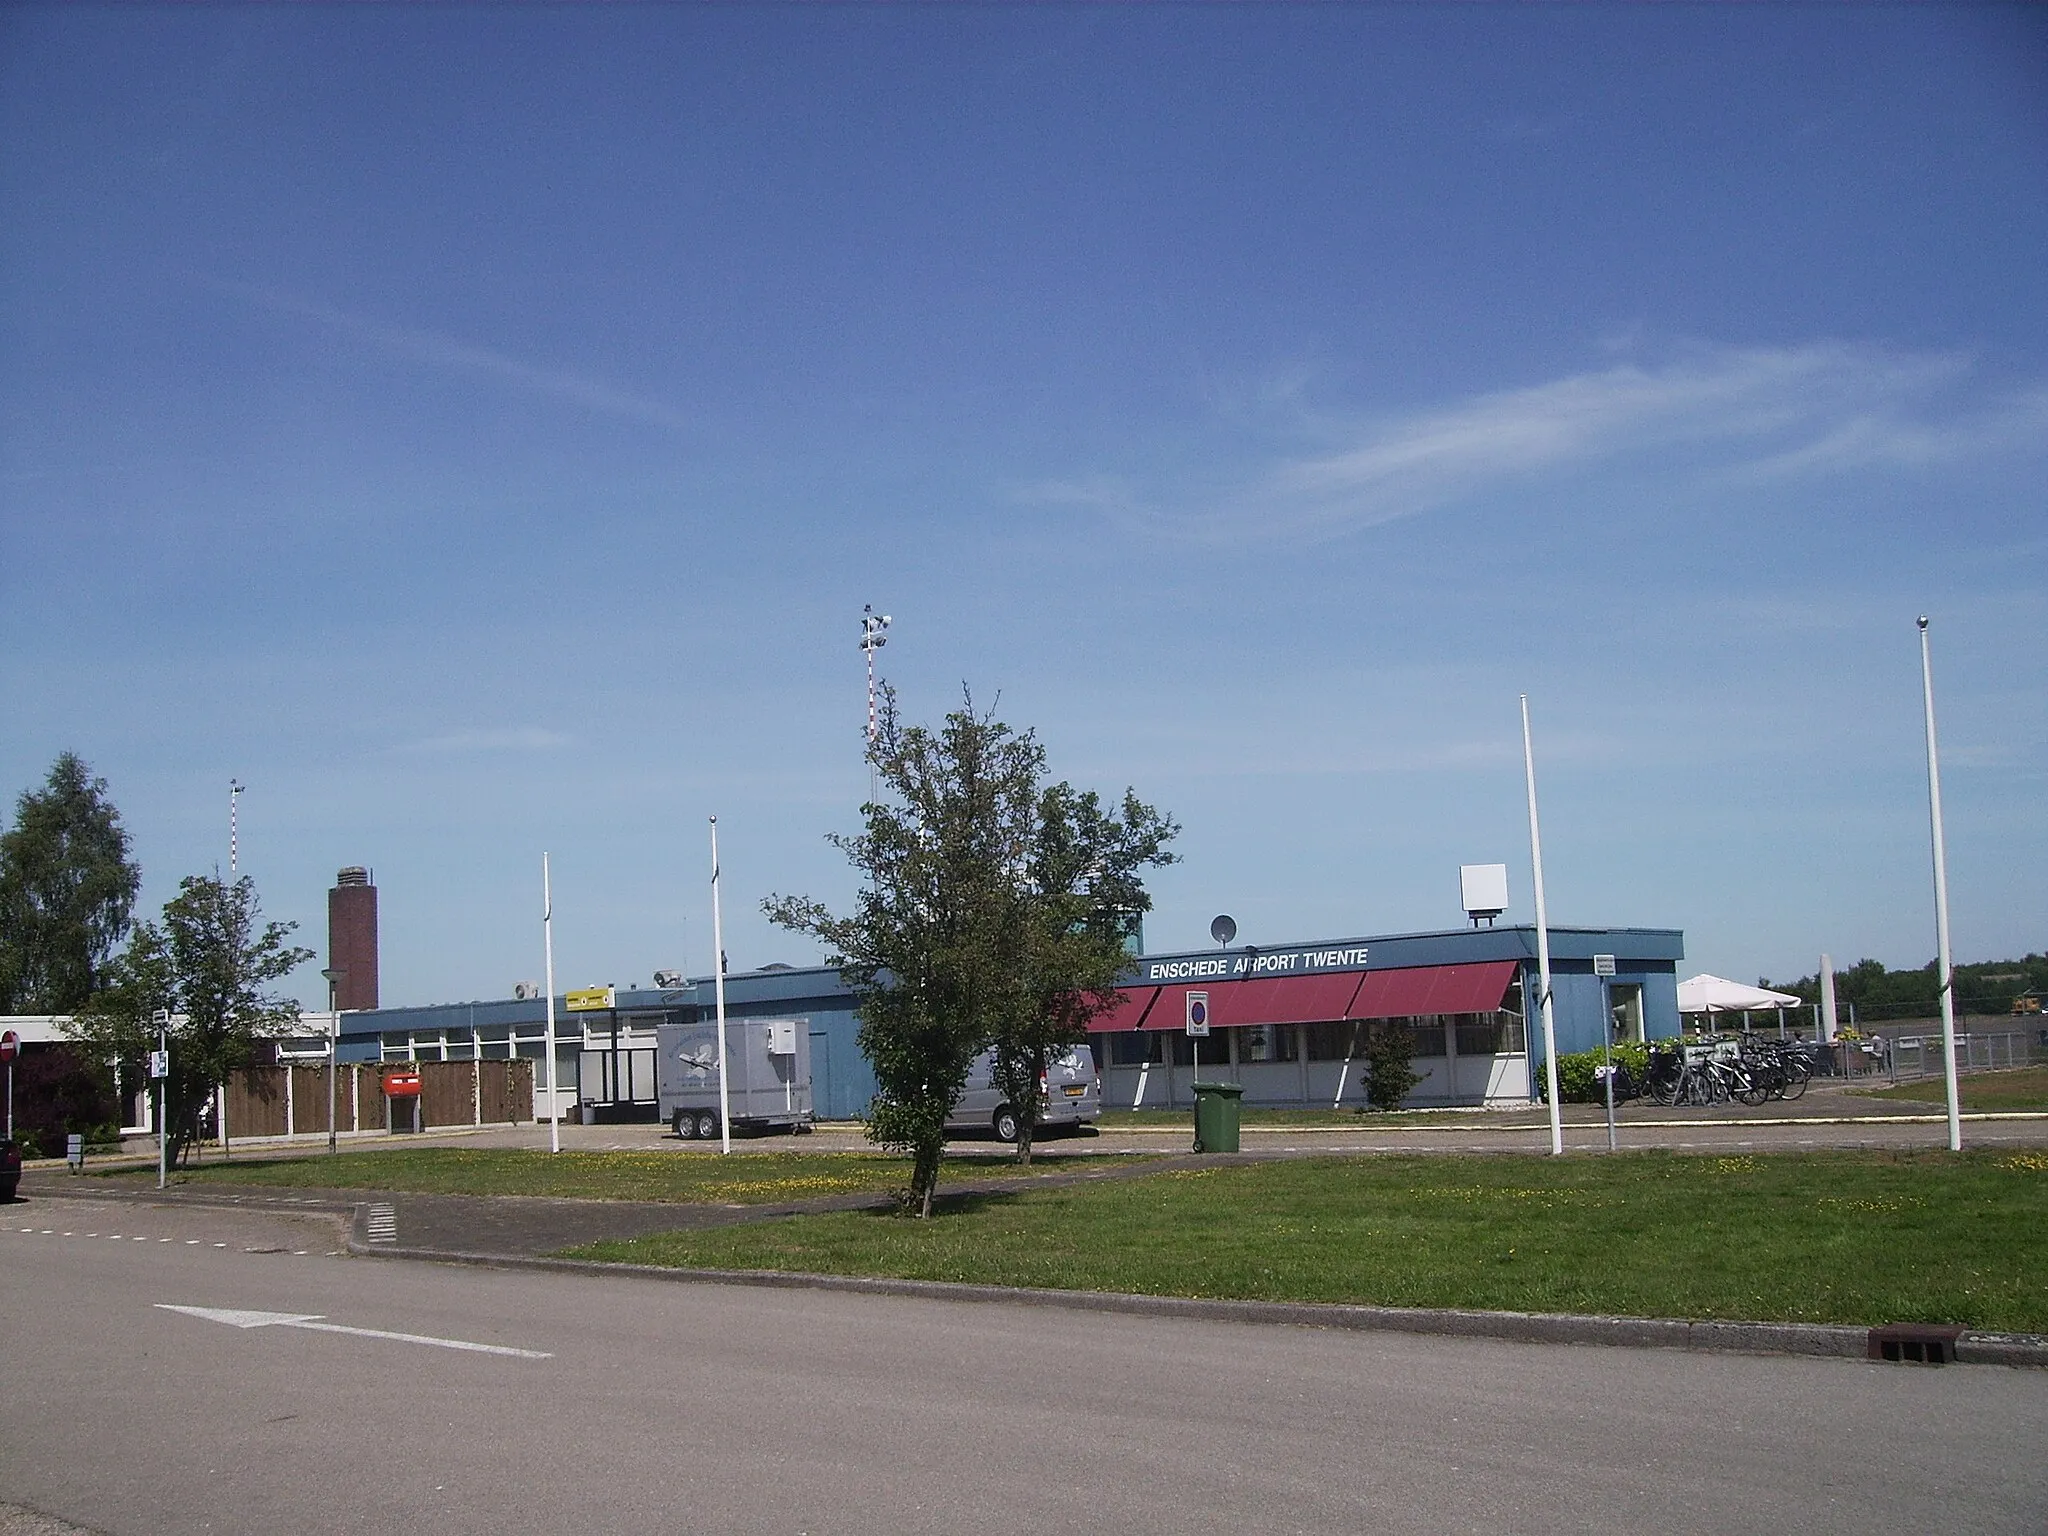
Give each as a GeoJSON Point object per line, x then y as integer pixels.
{"type": "Point", "coordinates": [478, 429]}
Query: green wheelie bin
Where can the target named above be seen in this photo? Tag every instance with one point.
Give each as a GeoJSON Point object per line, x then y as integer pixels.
{"type": "Point", "coordinates": [1216, 1116]}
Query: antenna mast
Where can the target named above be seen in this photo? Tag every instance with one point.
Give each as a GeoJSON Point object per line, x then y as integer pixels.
{"type": "Point", "coordinates": [873, 636]}
{"type": "Point", "coordinates": [235, 788]}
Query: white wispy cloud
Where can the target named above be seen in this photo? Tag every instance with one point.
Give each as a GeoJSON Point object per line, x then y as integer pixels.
{"type": "Point", "coordinates": [454, 355]}
{"type": "Point", "coordinates": [1815, 409]}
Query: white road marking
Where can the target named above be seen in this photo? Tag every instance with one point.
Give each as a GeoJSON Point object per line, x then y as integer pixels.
{"type": "Point", "coordinates": [311, 1321]}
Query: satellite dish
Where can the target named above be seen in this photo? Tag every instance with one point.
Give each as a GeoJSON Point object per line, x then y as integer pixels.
{"type": "Point", "coordinates": [1224, 929]}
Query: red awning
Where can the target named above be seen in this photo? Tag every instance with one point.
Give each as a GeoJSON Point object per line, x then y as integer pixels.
{"type": "Point", "coordinates": [1474, 988]}
{"type": "Point", "coordinates": [1128, 1013]}
{"type": "Point", "coordinates": [1293, 999]}
{"type": "Point", "coordinates": [1170, 1010]}
{"type": "Point", "coordinates": [1232, 1004]}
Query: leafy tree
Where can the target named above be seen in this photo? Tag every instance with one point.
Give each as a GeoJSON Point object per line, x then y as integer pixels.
{"type": "Point", "coordinates": [983, 918]}
{"type": "Point", "coordinates": [208, 963]}
{"type": "Point", "coordinates": [1082, 892]}
{"type": "Point", "coordinates": [67, 887]}
{"type": "Point", "coordinates": [1878, 994]}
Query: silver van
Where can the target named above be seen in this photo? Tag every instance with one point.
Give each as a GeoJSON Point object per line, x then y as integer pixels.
{"type": "Point", "coordinates": [1069, 1096]}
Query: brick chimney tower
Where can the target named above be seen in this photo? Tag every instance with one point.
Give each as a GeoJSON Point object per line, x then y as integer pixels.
{"type": "Point", "coordinates": [352, 937]}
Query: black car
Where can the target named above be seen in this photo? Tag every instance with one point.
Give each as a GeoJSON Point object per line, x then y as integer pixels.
{"type": "Point", "coordinates": [10, 1168]}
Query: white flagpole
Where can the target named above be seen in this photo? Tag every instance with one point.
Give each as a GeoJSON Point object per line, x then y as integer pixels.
{"type": "Point", "coordinates": [547, 928]}
{"type": "Point", "coordinates": [1947, 976]}
{"type": "Point", "coordinates": [1542, 943]}
{"type": "Point", "coordinates": [718, 972]}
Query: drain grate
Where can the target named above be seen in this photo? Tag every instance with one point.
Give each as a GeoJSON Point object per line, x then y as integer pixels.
{"type": "Point", "coordinates": [383, 1223]}
{"type": "Point", "coordinates": [1915, 1343]}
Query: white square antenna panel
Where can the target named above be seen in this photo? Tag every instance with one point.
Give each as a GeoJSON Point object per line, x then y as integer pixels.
{"type": "Point", "coordinates": [1483, 888]}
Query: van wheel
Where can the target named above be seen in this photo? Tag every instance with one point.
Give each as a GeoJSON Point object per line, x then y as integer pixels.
{"type": "Point", "coordinates": [1006, 1124]}
{"type": "Point", "coordinates": [707, 1126]}
{"type": "Point", "coordinates": [686, 1125]}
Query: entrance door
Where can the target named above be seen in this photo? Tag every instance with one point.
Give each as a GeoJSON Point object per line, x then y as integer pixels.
{"type": "Point", "coordinates": [1625, 1009]}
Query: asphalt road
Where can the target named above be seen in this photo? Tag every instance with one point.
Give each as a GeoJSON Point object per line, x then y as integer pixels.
{"type": "Point", "coordinates": [737, 1409]}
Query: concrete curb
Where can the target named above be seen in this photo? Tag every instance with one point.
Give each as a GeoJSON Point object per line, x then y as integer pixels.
{"type": "Point", "coordinates": [1833, 1341]}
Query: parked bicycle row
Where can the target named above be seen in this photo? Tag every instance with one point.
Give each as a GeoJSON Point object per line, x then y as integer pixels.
{"type": "Point", "coordinates": [1749, 1069]}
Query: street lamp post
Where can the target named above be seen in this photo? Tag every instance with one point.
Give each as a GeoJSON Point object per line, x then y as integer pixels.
{"type": "Point", "coordinates": [718, 974]}
{"type": "Point", "coordinates": [1947, 979]}
{"type": "Point", "coordinates": [335, 975]}
{"type": "Point", "coordinates": [1542, 946]}
{"type": "Point", "coordinates": [547, 939]}
{"type": "Point", "coordinates": [160, 1069]}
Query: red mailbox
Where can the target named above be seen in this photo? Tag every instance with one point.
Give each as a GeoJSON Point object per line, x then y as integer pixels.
{"type": "Point", "coordinates": [402, 1085]}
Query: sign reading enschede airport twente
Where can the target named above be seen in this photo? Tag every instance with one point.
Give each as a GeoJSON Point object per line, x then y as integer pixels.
{"type": "Point", "coordinates": [588, 999]}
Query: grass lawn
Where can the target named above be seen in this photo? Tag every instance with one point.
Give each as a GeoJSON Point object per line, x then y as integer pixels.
{"type": "Point", "coordinates": [745, 1178]}
{"type": "Point", "coordinates": [1844, 1237]}
{"type": "Point", "coordinates": [2018, 1088]}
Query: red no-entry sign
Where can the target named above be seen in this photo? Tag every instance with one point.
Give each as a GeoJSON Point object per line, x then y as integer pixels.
{"type": "Point", "coordinates": [10, 1046]}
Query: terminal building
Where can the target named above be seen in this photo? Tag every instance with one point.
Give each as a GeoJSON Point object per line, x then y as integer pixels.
{"type": "Point", "coordinates": [1286, 1020]}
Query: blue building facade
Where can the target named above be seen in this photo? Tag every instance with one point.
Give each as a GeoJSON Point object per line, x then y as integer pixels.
{"type": "Point", "coordinates": [1287, 1021]}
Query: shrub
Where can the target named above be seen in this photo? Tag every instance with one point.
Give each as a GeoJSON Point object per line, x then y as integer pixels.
{"type": "Point", "coordinates": [1578, 1074]}
{"type": "Point", "coordinates": [57, 1093]}
{"type": "Point", "coordinates": [1389, 1076]}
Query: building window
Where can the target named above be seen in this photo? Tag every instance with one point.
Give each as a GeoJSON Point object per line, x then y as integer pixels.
{"type": "Point", "coordinates": [1337, 1040]}
{"type": "Point", "coordinates": [1133, 1047]}
{"type": "Point", "coordinates": [1490, 1034]}
{"type": "Point", "coordinates": [1426, 1035]}
{"type": "Point", "coordinates": [1266, 1042]}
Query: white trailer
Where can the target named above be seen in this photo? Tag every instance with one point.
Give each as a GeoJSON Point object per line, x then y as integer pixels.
{"type": "Point", "coordinates": [768, 1066]}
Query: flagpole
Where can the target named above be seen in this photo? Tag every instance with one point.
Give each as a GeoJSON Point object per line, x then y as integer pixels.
{"type": "Point", "coordinates": [1947, 978]}
{"type": "Point", "coordinates": [547, 928]}
{"type": "Point", "coordinates": [718, 973]}
{"type": "Point", "coordinates": [1542, 944]}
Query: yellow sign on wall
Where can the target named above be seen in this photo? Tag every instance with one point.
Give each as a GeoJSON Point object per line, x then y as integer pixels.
{"type": "Point", "coordinates": [589, 999]}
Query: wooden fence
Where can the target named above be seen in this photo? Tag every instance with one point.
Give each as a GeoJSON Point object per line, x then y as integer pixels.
{"type": "Point", "coordinates": [286, 1101]}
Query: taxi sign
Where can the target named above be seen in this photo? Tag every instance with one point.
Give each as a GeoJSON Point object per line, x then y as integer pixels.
{"type": "Point", "coordinates": [1198, 1013]}
{"type": "Point", "coordinates": [589, 999]}
{"type": "Point", "coordinates": [402, 1085]}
